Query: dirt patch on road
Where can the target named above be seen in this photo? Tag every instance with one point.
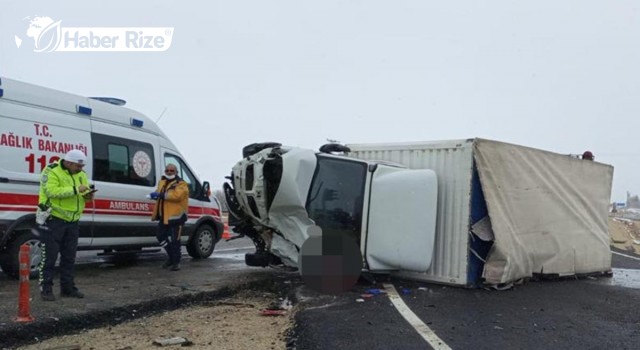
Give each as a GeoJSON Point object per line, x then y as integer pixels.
{"type": "Point", "coordinates": [232, 323]}
{"type": "Point", "coordinates": [625, 235]}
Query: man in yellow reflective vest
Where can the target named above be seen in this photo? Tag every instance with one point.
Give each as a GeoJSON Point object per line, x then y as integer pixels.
{"type": "Point", "coordinates": [64, 189]}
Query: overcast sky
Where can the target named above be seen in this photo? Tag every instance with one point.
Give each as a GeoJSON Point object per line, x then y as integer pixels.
{"type": "Point", "coordinates": [562, 76]}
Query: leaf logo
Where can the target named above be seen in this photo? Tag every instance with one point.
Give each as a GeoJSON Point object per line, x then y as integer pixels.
{"type": "Point", "coordinates": [49, 38]}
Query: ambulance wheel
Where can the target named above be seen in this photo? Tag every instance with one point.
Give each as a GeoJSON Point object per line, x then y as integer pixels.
{"type": "Point", "coordinates": [202, 242]}
{"type": "Point", "coordinates": [9, 259]}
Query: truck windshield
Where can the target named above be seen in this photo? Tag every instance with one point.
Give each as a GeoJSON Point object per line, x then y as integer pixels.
{"type": "Point", "coordinates": [335, 198]}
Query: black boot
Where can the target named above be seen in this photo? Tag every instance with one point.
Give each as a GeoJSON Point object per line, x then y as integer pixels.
{"type": "Point", "coordinates": [72, 293]}
{"type": "Point", "coordinates": [46, 294]}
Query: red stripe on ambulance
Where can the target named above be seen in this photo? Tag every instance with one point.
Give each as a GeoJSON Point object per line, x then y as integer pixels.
{"type": "Point", "coordinates": [28, 202]}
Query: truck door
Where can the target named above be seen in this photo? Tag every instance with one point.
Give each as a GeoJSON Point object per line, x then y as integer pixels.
{"type": "Point", "coordinates": [401, 221]}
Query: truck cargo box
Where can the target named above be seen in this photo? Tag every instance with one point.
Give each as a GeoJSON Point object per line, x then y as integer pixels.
{"type": "Point", "coordinates": [507, 212]}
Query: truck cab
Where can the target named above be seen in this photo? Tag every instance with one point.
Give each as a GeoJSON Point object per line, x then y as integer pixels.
{"type": "Point", "coordinates": [277, 194]}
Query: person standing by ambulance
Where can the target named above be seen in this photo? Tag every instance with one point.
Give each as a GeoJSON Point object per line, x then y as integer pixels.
{"type": "Point", "coordinates": [171, 210]}
{"type": "Point", "coordinates": [64, 189]}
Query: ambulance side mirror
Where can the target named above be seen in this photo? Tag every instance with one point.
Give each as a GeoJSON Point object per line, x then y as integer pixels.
{"type": "Point", "coordinates": [206, 190]}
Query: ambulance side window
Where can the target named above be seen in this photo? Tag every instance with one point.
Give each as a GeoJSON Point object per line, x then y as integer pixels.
{"type": "Point", "coordinates": [122, 161]}
{"type": "Point", "coordinates": [195, 188]}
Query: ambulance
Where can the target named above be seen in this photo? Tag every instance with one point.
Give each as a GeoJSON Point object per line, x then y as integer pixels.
{"type": "Point", "coordinates": [126, 155]}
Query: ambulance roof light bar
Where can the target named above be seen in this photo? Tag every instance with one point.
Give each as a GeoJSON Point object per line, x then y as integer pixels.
{"type": "Point", "coordinates": [83, 110]}
{"type": "Point", "coordinates": [136, 122]}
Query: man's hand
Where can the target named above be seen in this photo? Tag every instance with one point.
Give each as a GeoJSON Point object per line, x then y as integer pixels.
{"type": "Point", "coordinates": [156, 195]}
{"type": "Point", "coordinates": [83, 188]}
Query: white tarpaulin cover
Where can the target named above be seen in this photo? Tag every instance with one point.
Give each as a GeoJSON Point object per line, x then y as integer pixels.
{"type": "Point", "coordinates": [548, 212]}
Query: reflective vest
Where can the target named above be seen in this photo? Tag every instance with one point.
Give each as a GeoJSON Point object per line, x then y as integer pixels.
{"type": "Point", "coordinates": [59, 189]}
{"type": "Point", "coordinates": [173, 209]}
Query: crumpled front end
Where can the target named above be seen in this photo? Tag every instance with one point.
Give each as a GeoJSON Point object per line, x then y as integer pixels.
{"type": "Point", "coordinates": [267, 202]}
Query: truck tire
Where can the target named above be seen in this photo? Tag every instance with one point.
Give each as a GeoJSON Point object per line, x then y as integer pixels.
{"type": "Point", "coordinates": [236, 215]}
{"type": "Point", "coordinates": [9, 260]}
{"type": "Point", "coordinates": [258, 259]}
{"type": "Point", "coordinates": [261, 259]}
{"type": "Point", "coordinates": [254, 148]}
{"type": "Point", "coordinates": [202, 242]}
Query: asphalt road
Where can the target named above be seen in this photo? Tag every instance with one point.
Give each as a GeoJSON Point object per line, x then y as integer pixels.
{"type": "Point", "coordinates": [585, 313]}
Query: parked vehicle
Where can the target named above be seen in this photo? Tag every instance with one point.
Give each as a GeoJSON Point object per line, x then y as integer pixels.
{"type": "Point", "coordinates": [460, 212]}
{"type": "Point", "coordinates": [126, 154]}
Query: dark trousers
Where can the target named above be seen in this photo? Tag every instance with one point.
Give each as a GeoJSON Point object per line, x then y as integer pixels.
{"type": "Point", "coordinates": [58, 237]}
{"type": "Point", "coordinates": [169, 238]}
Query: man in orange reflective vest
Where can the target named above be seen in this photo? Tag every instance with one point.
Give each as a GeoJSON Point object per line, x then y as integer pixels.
{"type": "Point", "coordinates": [171, 212]}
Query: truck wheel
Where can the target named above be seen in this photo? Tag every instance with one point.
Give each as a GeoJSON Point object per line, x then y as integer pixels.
{"type": "Point", "coordinates": [254, 148]}
{"type": "Point", "coordinates": [261, 259]}
{"type": "Point", "coordinates": [202, 242]}
{"type": "Point", "coordinates": [235, 210]}
{"type": "Point", "coordinates": [9, 260]}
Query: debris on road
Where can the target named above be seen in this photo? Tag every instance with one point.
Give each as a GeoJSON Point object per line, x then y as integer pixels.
{"type": "Point", "coordinates": [229, 303]}
{"type": "Point", "coordinates": [285, 304]}
{"type": "Point", "coordinates": [169, 341]}
{"type": "Point", "coordinates": [269, 312]}
{"type": "Point", "coordinates": [375, 291]}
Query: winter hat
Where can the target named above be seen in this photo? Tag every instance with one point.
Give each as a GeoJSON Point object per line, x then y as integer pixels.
{"type": "Point", "coordinates": [75, 156]}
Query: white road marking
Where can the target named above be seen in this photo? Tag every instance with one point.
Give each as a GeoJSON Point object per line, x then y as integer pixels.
{"type": "Point", "coordinates": [420, 327]}
{"type": "Point", "coordinates": [626, 256]}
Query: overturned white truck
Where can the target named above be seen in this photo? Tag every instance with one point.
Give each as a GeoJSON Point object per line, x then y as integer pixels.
{"type": "Point", "coordinates": [462, 212]}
